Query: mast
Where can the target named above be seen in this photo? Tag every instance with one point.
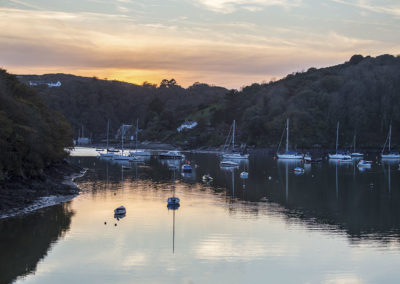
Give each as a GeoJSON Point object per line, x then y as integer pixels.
{"type": "Point", "coordinates": [233, 136]}
{"type": "Point", "coordinates": [337, 135]}
{"type": "Point", "coordinates": [287, 135]}
{"type": "Point", "coordinates": [390, 135]}
{"type": "Point", "coordinates": [136, 134]}
{"type": "Point", "coordinates": [108, 129]}
{"type": "Point", "coordinates": [354, 143]}
{"type": "Point", "coordinates": [122, 140]}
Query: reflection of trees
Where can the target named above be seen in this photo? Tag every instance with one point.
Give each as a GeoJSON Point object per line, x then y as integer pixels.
{"type": "Point", "coordinates": [25, 240]}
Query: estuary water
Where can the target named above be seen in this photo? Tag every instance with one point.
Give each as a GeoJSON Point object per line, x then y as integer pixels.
{"type": "Point", "coordinates": [332, 224]}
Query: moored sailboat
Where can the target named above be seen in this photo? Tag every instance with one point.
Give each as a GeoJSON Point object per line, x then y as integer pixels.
{"type": "Point", "coordinates": [233, 154]}
{"type": "Point", "coordinates": [389, 154]}
{"type": "Point", "coordinates": [339, 155]}
{"type": "Point", "coordinates": [287, 154]}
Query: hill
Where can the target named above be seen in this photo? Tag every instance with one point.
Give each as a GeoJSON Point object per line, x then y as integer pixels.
{"type": "Point", "coordinates": [32, 136]}
{"type": "Point", "coordinates": [363, 94]}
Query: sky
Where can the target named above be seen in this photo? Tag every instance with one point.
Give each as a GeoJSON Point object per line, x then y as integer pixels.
{"type": "Point", "coordinates": [230, 43]}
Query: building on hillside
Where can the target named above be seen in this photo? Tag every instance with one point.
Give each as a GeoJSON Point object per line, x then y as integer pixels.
{"type": "Point", "coordinates": [187, 125]}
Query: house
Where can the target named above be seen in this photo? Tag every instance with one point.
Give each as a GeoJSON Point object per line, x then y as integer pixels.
{"type": "Point", "coordinates": [187, 125]}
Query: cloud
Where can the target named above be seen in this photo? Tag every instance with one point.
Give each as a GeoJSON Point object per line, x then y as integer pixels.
{"type": "Point", "coordinates": [230, 6]}
{"type": "Point", "coordinates": [390, 9]}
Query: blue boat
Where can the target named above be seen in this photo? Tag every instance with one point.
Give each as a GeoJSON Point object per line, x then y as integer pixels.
{"type": "Point", "coordinates": [186, 168]}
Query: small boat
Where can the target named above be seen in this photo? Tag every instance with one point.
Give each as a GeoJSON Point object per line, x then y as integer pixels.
{"type": "Point", "coordinates": [120, 210]}
{"type": "Point", "coordinates": [171, 155]}
{"type": "Point", "coordinates": [112, 150]}
{"type": "Point", "coordinates": [288, 155]}
{"type": "Point", "coordinates": [389, 155]}
{"type": "Point", "coordinates": [207, 177]}
{"type": "Point", "coordinates": [173, 201]}
{"type": "Point", "coordinates": [364, 164]}
{"type": "Point", "coordinates": [339, 155]}
{"type": "Point", "coordinates": [228, 163]}
{"type": "Point", "coordinates": [244, 175]}
{"type": "Point", "coordinates": [186, 168]}
{"type": "Point", "coordinates": [298, 170]}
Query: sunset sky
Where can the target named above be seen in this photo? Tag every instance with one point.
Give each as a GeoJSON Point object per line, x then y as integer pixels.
{"type": "Point", "coordinates": [230, 43]}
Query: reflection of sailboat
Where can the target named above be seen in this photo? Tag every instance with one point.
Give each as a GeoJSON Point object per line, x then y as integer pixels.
{"type": "Point", "coordinates": [287, 154]}
{"type": "Point", "coordinates": [173, 208]}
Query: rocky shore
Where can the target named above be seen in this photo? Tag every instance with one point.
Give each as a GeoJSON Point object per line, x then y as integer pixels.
{"type": "Point", "coordinates": [19, 196]}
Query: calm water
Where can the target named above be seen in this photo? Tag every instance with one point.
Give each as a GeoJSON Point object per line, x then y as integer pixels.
{"type": "Point", "coordinates": [333, 224]}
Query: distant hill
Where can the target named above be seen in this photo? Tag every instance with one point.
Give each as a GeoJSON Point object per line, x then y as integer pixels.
{"type": "Point", "coordinates": [32, 136]}
{"type": "Point", "coordinates": [363, 94]}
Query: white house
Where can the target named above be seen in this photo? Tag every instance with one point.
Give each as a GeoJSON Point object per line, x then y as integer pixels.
{"type": "Point", "coordinates": [187, 125]}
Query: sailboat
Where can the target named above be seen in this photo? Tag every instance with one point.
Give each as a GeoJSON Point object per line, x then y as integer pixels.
{"type": "Point", "coordinates": [356, 154]}
{"type": "Point", "coordinates": [233, 154]}
{"type": "Point", "coordinates": [389, 154]}
{"type": "Point", "coordinates": [138, 152]}
{"type": "Point", "coordinates": [107, 154]}
{"type": "Point", "coordinates": [287, 154]}
{"type": "Point", "coordinates": [122, 157]}
{"type": "Point", "coordinates": [339, 155]}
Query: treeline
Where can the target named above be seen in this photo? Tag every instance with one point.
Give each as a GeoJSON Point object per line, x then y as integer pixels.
{"type": "Point", "coordinates": [32, 136]}
{"type": "Point", "coordinates": [363, 94]}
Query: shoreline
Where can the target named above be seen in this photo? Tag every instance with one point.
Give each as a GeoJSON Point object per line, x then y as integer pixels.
{"type": "Point", "coordinates": [22, 197]}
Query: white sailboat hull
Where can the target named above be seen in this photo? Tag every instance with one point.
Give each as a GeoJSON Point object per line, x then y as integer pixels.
{"type": "Point", "coordinates": [290, 156]}
{"type": "Point", "coordinates": [339, 157]}
{"type": "Point", "coordinates": [235, 156]}
{"type": "Point", "coordinates": [390, 156]}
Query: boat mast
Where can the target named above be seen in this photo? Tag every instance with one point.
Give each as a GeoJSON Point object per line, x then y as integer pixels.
{"type": "Point", "coordinates": [108, 129]}
{"type": "Point", "coordinates": [122, 140]}
{"type": "Point", "coordinates": [354, 150]}
{"type": "Point", "coordinates": [233, 136]}
{"type": "Point", "coordinates": [137, 125]}
{"type": "Point", "coordinates": [390, 135]}
{"type": "Point", "coordinates": [287, 135]}
{"type": "Point", "coordinates": [337, 136]}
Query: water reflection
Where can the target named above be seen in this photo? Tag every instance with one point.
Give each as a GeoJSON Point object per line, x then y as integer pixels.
{"type": "Point", "coordinates": [25, 240]}
{"type": "Point", "coordinates": [332, 209]}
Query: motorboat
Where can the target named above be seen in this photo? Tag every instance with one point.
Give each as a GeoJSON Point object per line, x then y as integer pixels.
{"type": "Point", "coordinates": [112, 150]}
{"type": "Point", "coordinates": [339, 155]}
{"type": "Point", "coordinates": [244, 175]}
{"type": "Point", "coordinates": [389, 155]}
{"type": "Point", "coordinates": [231, 140]}
{"type": "Point", "coordinates": [186, 168]}
{"type": "Point", "coordinates": [364, 164]}
{"type": "Point", "coordinates": [288, 155]}
{"type": "Point", "coordinates": [120, 210]}
{"type": "Point", "coordinates": [171, 155]}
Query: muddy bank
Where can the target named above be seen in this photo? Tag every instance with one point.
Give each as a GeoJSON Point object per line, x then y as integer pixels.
{"type": "Point", "coordinates": [19, 196]}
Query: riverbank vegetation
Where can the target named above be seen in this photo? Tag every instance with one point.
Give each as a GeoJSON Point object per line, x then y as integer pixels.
{"type": "Point", "coordinates": [32, 136]}
{"type": "Point", "coordinates": [363, 94]}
